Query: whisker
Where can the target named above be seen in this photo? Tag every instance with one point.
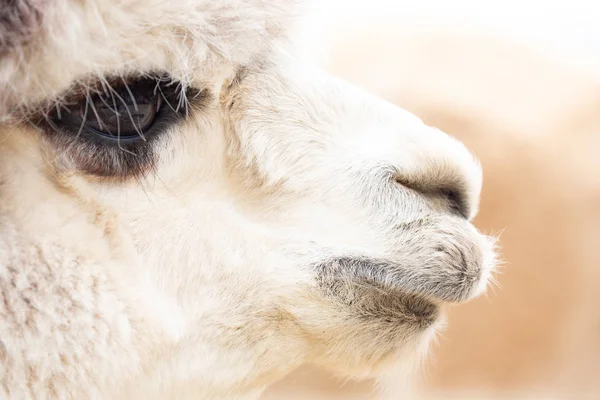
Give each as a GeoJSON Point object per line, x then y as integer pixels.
{"type": "Point", "coordinates": [166, 100]}
{"type": "Point", "coordinates": [137, 128]}
{"type": "Point", "coordinates": [135, 106]}
{"type": "Point", "coordinates": [88, 100]}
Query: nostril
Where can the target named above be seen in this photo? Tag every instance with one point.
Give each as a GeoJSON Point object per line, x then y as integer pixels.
{"type": "Point", "coordinates": [456, 201]}
{"type": "Point", "coordinates": [455, 197]}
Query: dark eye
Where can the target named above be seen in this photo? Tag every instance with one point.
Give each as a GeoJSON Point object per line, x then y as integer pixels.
{"type": "Point", "coordinates": [118, 115]}
{"type": "Point", "coordinates": [113, 130]}
{"type": "Point", "coordinates": [124, 111]}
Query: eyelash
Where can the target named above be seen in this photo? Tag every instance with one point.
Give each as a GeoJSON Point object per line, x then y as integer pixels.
{"type": "Point", "coordinates": [75, 134]}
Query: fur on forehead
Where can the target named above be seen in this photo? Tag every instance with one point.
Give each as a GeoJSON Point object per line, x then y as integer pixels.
{"type": "Point", "coordinates": [62, 42]}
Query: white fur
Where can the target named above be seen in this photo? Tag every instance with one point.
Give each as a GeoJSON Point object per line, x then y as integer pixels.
{"type": "Point", "coordinates": [204, 279]}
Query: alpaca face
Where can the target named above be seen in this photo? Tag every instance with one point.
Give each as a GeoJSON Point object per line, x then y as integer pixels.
{"type": "Point", "coordinates": [202, 212]}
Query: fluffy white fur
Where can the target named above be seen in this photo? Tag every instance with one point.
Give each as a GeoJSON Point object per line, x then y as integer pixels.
{"type": "Point", "coordinates": [293, 219]}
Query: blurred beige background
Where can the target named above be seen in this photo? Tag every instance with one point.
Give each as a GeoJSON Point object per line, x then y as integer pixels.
{"type": "Point", "coordinates": [519, 83]}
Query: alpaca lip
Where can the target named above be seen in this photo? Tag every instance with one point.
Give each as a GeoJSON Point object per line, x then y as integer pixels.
{"type": "Point", "coordinates": [371, 299]}
{"type": "Point", "coordinates": [446, 284]}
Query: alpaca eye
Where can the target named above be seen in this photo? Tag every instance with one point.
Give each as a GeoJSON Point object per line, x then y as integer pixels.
{"type": "Point", "coordinates": [112, 128]}
{"type": "Point", "coordinates": [117, 112]}
{"type": "Point", "coordinates": [118, 115]}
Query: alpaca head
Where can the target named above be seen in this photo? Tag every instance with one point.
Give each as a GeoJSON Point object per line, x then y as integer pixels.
{"type": "Point", "coordinates": [242, 212]}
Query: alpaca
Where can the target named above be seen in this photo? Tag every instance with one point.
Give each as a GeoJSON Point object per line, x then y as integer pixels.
{"type": "Point", "coordinates": [190, 210]}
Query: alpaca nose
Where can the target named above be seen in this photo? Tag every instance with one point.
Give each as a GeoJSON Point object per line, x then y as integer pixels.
{"type": "Point", "coordinates": [441, 167]}
{"type": "Point", "coordinates": [426, 160]}
{"type": "Point", "coordinates": [453, 195]}
{"type": "Point", "coordinates": [452, 190]}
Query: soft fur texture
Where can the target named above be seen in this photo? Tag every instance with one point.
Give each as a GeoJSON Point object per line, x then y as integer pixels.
{"type": "Point", "coordinates": [290, 219]}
